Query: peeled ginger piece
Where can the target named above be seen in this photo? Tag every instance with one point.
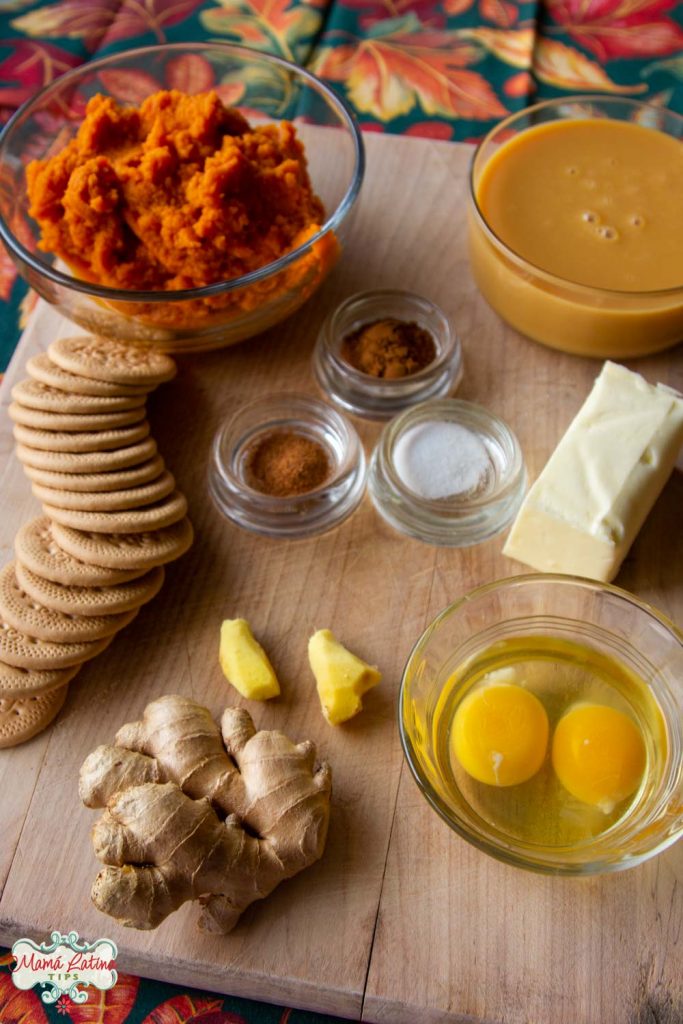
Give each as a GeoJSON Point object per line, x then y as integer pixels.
{"type": "Point", "coordinates": [244, 662]}
{"type": "Point", "coordinates": [341, 677]}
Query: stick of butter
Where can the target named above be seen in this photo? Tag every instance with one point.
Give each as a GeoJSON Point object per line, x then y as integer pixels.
{"type": "Point", "coordinates": [584, 511]}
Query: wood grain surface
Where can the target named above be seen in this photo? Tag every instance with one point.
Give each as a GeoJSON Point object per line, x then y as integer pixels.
{"type": "Point", "coordinates": [401, 921]}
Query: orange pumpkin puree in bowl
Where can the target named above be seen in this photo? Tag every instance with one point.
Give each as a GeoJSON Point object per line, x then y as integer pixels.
{"type": "Point", "coordinates": [179, 193]}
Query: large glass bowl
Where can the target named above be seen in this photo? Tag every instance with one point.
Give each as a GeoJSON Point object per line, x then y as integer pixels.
{"type": "Point", "coordinates": [596, 615]}
{"type": "Point", "coordinates": [563, 314]}
{"type": "Point", "coordinates": [265, 88]}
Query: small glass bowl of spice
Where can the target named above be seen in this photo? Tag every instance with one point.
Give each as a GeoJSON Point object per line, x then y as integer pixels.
{"type": "Point", "coordinates": [382, 351]}
{"type": "Point", "coordinates": [447, 472]}
{"type": "Point", "coordinates": [287, 466]}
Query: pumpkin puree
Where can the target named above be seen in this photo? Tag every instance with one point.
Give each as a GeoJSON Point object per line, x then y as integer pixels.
{"type": "Point", "coordinates": [179, 193]}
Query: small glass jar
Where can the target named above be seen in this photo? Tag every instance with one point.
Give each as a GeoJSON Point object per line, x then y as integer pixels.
{"type": "Point", "coordinates": [382, 397]}
{"type": "Point", "coordinates": [300, 515]}
{"type": "Point", "coordinates": [459, 520]}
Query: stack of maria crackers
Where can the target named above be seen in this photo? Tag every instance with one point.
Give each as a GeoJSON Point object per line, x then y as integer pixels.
{"type": "Point", "coordinates": [112, 518]}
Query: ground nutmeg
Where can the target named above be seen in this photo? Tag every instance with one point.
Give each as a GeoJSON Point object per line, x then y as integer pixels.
{"type": "Point", "coordinates": [389, 348]}
{"type": "Point", "coordinates": [285, 464]}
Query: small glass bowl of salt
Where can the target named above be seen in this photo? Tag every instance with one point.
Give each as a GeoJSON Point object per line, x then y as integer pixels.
{"type": "Point", "coordinates": [448, 472]}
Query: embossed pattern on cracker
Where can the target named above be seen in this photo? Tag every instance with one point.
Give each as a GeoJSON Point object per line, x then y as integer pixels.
{"type": "Point", "coordinates": [113, 361]}
{"type": "Point", "coordinates": [23, 651]}
{"type": "Point", "coordinates": [36, 547]}
{"type": "Point", "coordinates": [76, 600]}
{"type": "Point", "coordinates": [22, 718]}
{"type": "Point", "coordinates": [107, 501]}
{"type": "Point", "coordinates": [115, 480]}
{"type": "Point", "coordinates": [126, 550]}
{"type": "Point", "coordinates": [26, 614]}
{"type": "Point", "coordinates": [37, 395]}
{"type": "Point", "coordinates": [83, 439]}
{"type": "Point", "coordinates": [87, 462]}
{"type": "Point", "coordinates": [43, 369]}
{"type": "Point", "coordinates": [40, 419]}
{"type": "Point", "coordinates": [136, 520]}
{"type": "Point", "coordinates": [26, 682]}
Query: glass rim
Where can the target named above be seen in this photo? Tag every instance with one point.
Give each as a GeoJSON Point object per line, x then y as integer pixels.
{"type": "Point", "coordinates": [337, 102]}
{"type": "Point", "coordinates": [328, 340]}
{"type": "Point", "coordinates": [521, 261]}
{"type": "Point", "coordinates": [467, 410]}
{"type": "Point", "coordinates": [276, 406]}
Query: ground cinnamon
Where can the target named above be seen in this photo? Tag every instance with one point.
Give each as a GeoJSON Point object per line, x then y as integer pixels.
{"type": "Point", "coordinates": [285, 464]}
{"type": "Point", "coordinates": [389, 348]}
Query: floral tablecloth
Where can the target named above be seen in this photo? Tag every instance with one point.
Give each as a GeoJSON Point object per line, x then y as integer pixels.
{"type": "Point", "coordinates": [139, 1001]}
{"type": "Point", "coordinates": [443, 70]}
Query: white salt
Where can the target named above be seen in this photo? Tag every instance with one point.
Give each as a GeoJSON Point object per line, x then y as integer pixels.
{"type": "Point", "coordinates": [438, 459]}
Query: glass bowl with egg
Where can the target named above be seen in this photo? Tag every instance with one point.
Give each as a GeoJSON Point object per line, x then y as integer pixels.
{"type": "Point", "coordinates": [575, 217]}
{"type": "Point", "coordinates": [542, 718]}
{"type": "Point", "coordinates": [216, 249]}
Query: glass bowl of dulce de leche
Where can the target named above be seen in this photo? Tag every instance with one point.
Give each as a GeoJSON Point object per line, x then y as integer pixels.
{"type": "Point", "coordinates": [575, 222]}
{"type": "Point", "coordinates": [297, 117]}
{"type": "Point", "coordinates": [542, 718]}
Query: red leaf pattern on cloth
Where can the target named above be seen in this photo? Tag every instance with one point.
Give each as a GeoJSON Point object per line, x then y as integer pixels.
{"type": "Point", "coordinates": [107, 1007]}
{"type": "Point", "coordinates": [567, 68]}
{"type": "Point", "coordinates": [29, 67]}
{"type": "Point", "coordinates": [430, 130]}
{"type": "Point", "coordinates": [139, 17]}
{"type": "Point", "coordinates": [17, 1007]}
{"type": "Point", "coordinates": [392, 75]}
{"type": "Point", "coordinates": [500, 12]}
{"type": "Point", "coordinates": [182, 1009]}
{"type": "Point", "coordinates": [100, 22]}
{"type": "Point", "coordinates": [283, 27]}
{"type": "Point", "coordinates": [129, 86]}
{"type": "Point", "coordinates": [372, 12]}
{"type": "Point", "coordinates": [521, 84]}
{"type": "Point", "coordinates": [619, 28]}
{"type": "Point", "coordinates": [513, 46]}
{"type": "Point", "coordinates": [8, 275]}
{"type": "Point", "coordinates": [231, 93]}
{"type": "Point", "coordinates": [455, 7]}
{"type": "Point", "coordinates": [190, 73]}
{"type": "Point", "coordinates": [73, 19]}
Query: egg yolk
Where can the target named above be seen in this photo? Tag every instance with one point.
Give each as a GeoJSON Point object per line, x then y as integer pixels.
{"type": "Point", "coordinates": [500, 734]}
{"type": "Point", "coordinates": [598, 755]}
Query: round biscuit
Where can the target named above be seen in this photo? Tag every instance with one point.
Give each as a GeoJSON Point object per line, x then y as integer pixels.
{"type": "Point", "coordinates": [87, 462]}
{"type": "Point", "coordinates": [36, 394]}
{"type": "Point", "coordinates": [24, 651]}
{"type": "Point", "coordinates": [25, 682]}
{"type": "Point", "coordinates": [22, 718]}
{"type": "Point", "coordinates": [115, 361]}
{"type": "Point", "coordinates": [81, 441]}
{"type": "Point", "coordinates": [43, 369]}
{"type": "Point", "coordinates": [39, 419]}
{"type": "Point", "coordinates": [28, 616]}
{"type": "Point", "coordinates": [36, 548]}
{"type": "Point", "coordinates": [107, 501]}
{"type": "Point", "coordinates": [116, 480]}
{"type": "Point", "coordinates": [135, 520]}
{"type": "Point", "coordinates": [126, 550]}
{"type": "Point", "coordinates": [75, 600]}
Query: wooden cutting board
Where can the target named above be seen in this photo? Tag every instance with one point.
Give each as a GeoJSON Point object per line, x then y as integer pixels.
{"type": "Point", "coordinates": [401, 920]}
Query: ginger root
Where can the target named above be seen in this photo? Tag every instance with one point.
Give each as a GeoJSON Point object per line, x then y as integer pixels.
{"type": "Point", "coordinates": [198, 813]}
